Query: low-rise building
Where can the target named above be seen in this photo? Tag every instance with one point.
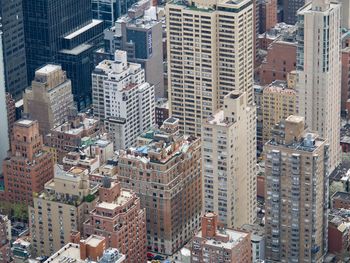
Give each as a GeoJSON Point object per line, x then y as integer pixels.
{"type": "Point", "coordinates": [92, 250]}
{"type": "Point", "coordinates": [340, 200]}
{"type": "Point", "coordinates": [213, 244]}
{"type": "Point", "coordinates": [21, 250]}
{"type": "Point", "coordinates": [257, 237]}
{"type": "Point", "coordinates": [72, 134]}
{"type": "Point", "coordinates": [161, 111]}
{"type": "Point", "coordinates": [339, 233]}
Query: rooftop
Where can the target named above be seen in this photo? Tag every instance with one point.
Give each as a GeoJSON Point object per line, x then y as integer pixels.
{"type": "Point", "coordinates": [48, 69]}
{"type": "Point", "coordinates": [71, 253]}
{"type": "Point", "coordinates": [94, 240]}
{"type": "Point", "coordinates": [279, 86]}
{"type": "Point", "coordinates": [307, 142]}
{"type": "Point", "coordinates": [212, 5]}
{"type": "Point", "coordinates": [93, 23]}
{"type": "Point", "coordinates": [85, 124]}
{"type": "Point", "coordinates": [25, 122]}
{"type": "Point", "coordinates": [76, 50]}
{"type": "Point", "coordinates": [235, 237]}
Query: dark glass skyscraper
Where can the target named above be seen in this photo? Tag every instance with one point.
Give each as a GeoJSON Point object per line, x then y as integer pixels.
{"type": "Point", "coordinates": [110, 10]}
{"type": "Point", "coordinates": [11, 24]}
{"type": "Point", "coordinates": [290, 8]}
{"type": "Point", "coordinates": [63, 32]}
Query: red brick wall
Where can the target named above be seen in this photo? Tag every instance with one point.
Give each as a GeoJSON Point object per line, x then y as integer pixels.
{"type": "Point", "coordinates": [280, 60]}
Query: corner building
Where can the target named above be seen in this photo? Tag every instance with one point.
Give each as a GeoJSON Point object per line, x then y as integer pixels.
{"type": "Point", "coordinates": [210, 53]}
{"type": "Point", "coordinates": [296, 188]}
{"type": "Point", "coordinates": [164, 169]}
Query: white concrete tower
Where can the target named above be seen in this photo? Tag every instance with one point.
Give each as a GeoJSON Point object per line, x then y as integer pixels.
{"type": "Point", "coordinates": [4, 139]}
{"type": "Point", "coordinates": [319, 71]}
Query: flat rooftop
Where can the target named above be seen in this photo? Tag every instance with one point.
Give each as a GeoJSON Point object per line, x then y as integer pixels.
{"type": "Point", "coordinates": [25, 122]}
{"type": "Point", "coordinates": [94, 240]}
{"type": "Point", "coordinates": [93, 23]}
{"type": "Point", "coordinates": [48, 69]}
{"type": "Point", "coordinates": [235, 237]}
{"type": "Point", "coordinates": [212, 5]}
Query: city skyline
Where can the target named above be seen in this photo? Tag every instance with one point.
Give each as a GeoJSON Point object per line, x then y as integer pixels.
{"type": "Point", "coordinates": [174, 131]}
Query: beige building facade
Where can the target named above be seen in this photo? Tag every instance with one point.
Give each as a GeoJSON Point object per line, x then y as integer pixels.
{"type": "Point", "coordinates": [278, 103]}
{"type": "Point", "coordinates": [296, 190]}
{"type": "Point", "coordinates": [50, 97]}
{"type": "Point", "coordinates": [60, 209]}
{"type": "Point", "coordinates": [210, 53]}
{"type": "Point", "coordinates": [229, 162]}
{"type": "Point", "coordinates": [319, 71]}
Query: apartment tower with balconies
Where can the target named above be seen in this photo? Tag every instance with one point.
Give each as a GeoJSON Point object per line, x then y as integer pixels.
{"type": "Point", "coordinates": [296, 190]}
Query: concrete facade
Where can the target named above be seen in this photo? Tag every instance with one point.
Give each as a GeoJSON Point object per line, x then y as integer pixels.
{"type": "Point", "coordinates": [229, 161]}
{"type": "Point", "coordinates": [319, 72]}
{"type": "Point", "coordinates": [278, 102]}
{"type": "Point", "coordinates": [122, 99]}
{"type": "Point", "coordinates": [61, 208]}
{"type": "Point", "coordinates": [50, 98]}
{"type": "Point", "coordinates": [296, 171]}
{"type": "Point", "coordinates": [204, 65]}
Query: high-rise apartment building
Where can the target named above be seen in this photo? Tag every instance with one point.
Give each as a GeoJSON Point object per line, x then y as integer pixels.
{"type": "Point", "coordinates": [213, 244]}
{"type": "Point", "coordinates": [296, 183]}
{"type": "Point", "coordinates": [62, 207]}
{"type": "Point", "coordinates": [140, 33]}
{"type": "Point", "coordinates": [119, 218]}
{"type": "Point", "coordinates": [12, 26]}
{"type": "Point", "coordinates": [290, 9]}
{"type": "Point", "coordinates": [210, 53]}
{"type": "Point", "coordinates": [122, 99]}
{"type": "Point", "coordinates": [278, 103]}
{"type": "Point", "coordinates": [4, 138]}
{"type": "Point", "coordinates": [28, 166]}
{"type": "Point", "coordinates": [110, 10]}
{"type": "Point", "coordinates": [319, 71]}
{"type": "Point", "coordinates": [68, 36]}
{"type": "Point", "coordinates": [229, 161]}
{"type": "Point", "coordinates": [164, 169]}
{"type": "Point", "coordinates": [50, 98]}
